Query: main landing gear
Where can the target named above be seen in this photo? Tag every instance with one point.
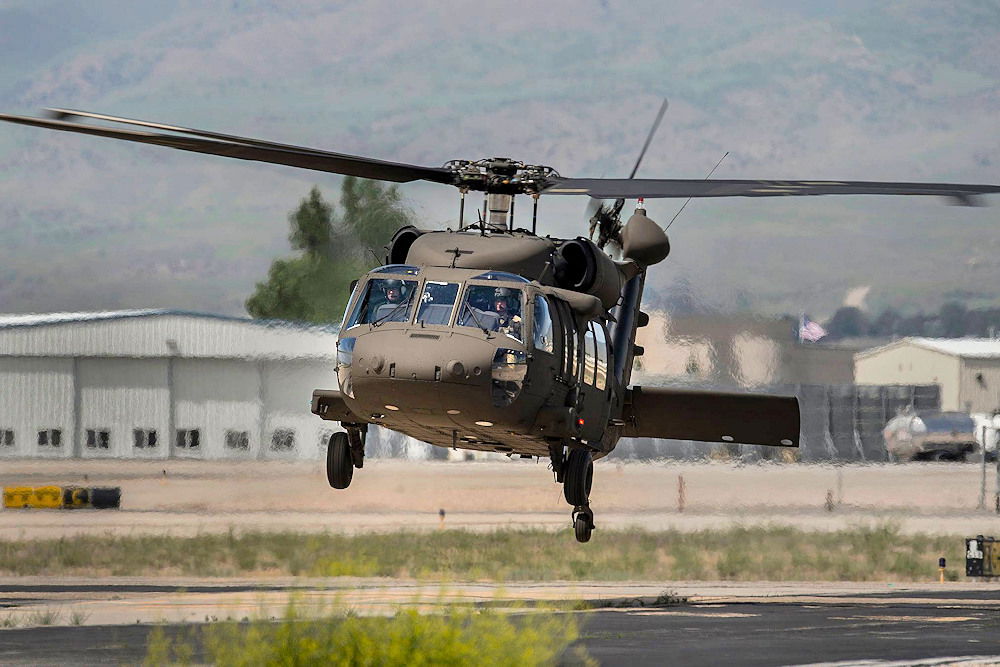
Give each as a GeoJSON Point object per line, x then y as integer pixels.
{"type": "Point", "coordinates": [345, 453]}
{"type": "Point", "coordinates": [576, 472]}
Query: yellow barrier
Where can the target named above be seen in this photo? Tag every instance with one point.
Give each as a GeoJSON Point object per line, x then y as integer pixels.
{"type": "Point", "coordinates": [47, 497]}
{"type": "Point", "coordinates": [61, 497]}
{"type": "Point", "coordinates": [16, 497]}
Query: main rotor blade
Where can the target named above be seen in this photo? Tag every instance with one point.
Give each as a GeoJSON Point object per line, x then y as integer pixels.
{"type": "Point", "coordinates": [649, 188]}
{"type": "Point", "coordinates": [66, 114]}
{"type": "Point", "coordinates": [649, 137]}
{"type": "Point", "coordinates": [258, 151]}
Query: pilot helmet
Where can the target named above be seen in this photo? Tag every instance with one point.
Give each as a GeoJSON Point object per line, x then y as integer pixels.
{"type": "Point", "coordinates": [504, 294]}
{"type": "Point", "coordinates": [392, 284]}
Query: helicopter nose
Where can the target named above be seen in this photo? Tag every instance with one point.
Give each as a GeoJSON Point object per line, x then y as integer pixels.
{"type": "Point", "coordinates": [400, 373]}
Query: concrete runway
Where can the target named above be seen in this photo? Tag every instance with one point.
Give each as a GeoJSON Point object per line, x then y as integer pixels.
{"type": "Point", "coordinates": [721, 623]}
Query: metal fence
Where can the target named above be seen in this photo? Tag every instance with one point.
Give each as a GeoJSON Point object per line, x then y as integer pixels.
{"type": "Point", "coordinates": [839, 423]}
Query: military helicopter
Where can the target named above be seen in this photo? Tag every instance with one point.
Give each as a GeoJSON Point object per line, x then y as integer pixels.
{"type": "Point", "coordinates": [492, 337]}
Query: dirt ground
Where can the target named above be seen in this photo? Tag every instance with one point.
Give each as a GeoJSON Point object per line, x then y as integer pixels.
{"type": "Point", "coordinates": [188, 497]}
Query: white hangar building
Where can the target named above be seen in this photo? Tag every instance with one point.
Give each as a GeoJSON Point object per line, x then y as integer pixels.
{"type": "Point", "coordinates": [161, 384]}
{"type": "Point", "coordinates": [967, 369]}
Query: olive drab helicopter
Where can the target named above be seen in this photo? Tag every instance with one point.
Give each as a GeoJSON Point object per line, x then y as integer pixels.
{"type": "Point", "coordinates": [492, 337]}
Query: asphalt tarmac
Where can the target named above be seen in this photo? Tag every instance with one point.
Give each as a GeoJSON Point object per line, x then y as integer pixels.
{"type": "Point", "coordinates": [720, 623]}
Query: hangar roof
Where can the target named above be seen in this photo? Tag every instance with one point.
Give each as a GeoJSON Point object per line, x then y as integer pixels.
{"type": "Point", "coordinates": [162, 333]}
{"type": "Point", "coordinates": [967, 348]}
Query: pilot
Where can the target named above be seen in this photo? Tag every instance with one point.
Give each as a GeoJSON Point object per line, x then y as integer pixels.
{"type": "Point", "coordinates": [393, 290]}
{"type": "Point", "coordinates": [391, 310]}
{"type": "Point", "coordinates": [507, 306]}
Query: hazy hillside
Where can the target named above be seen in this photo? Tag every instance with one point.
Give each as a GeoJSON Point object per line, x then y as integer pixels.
{"type": "Point", "coordinates": [892, 91]}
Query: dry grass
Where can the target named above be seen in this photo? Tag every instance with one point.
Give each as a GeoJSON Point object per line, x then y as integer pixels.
{"type": "Point", "coordinates": [873, 553]}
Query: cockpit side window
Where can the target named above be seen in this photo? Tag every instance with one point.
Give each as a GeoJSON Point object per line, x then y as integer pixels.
{"type": "Point", "coordinates": [493, 309]}
{"type": "Point", "coordinates": [589, 356]}
{"type": "Point", "coordinates": [384, 300]}
{"type": "Point", "coordinates": [569, 339]}
{"type": "Point", "coordinates": [542, 325]}
{"type": "Point", "coordinates": [601, 340]}
{"type": "Point", "coordinates": [437, 302]}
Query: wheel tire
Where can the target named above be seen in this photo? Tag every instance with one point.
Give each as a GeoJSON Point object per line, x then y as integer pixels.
{"type": "Point", "coordinates": [339, 465]}
{"type": "Point", "coordinates": [582, 529]}
{"type": "Point", "coordinates": [579, 477]}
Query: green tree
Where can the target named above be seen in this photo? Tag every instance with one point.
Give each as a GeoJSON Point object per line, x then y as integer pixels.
{"type": "Point", "coordinates": [372, 212]}
{"type": "Point", "coordinates": [952, 318]}
{"type": "Point", "coordinates": [335, 248]}
{"type": "Point", "coordinates": [313, 226]}
{"type": "Point", "coordinates": [847, 322]}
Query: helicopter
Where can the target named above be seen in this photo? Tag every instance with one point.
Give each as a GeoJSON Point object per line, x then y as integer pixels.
{"type": "Point", "coordinates": [492, 337]}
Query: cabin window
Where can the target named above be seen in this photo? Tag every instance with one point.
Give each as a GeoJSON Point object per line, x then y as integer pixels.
{"type": "Point", "coordinates": [601, 340]}
{"type": "Point", "coordinates": [98, 438]}
{"type": "Point", "coordinates": [437, 302]}
{"type": "Point", "coordinates": [493, 309]}
{"type": "Point", "coordinates": [6, 437]}
{"type": "Point", "coordinates": [542, 327]}
{"type": "Point", "coordinates": [589, 356]}
{"type": "Point", "coordinates": [144, 438]}
{"type": "Point", "coordinates": [384, 300]}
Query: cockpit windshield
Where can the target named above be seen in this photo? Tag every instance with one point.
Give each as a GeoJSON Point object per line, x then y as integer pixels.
{"type": "Point", "coordinates": [384, 300]}
{"type": "Point", "coordinates": [437, 302]}
{"type": "Point", "coordinates": [493, 309]}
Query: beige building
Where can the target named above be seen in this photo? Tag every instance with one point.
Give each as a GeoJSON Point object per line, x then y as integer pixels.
{"type": "Point", "coordinates": [967, 369]}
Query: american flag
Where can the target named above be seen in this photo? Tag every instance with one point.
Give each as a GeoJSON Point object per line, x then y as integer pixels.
{"type": "Point", "coordinates": [809, 330]}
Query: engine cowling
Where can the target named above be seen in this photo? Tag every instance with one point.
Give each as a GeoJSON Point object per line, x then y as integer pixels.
{"type": "Point", "coordinates": [399, 245]}
{"type": "Point", "coordinates": [579, 265]}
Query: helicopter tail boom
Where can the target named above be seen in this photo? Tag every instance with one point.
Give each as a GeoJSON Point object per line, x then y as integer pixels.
{"type": "Point", "coordinates": [709, 416]}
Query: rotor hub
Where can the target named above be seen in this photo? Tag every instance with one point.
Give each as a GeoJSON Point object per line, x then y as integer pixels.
{"type": "Point", "coordinates": [501, 175]}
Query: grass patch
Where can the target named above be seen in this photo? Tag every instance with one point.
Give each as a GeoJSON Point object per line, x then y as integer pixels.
{"type": "Point", "coordinates": [43, 617]}
{"type": "Point", "coordinates": [874, 553]}
{"type": "Point", "coordinates": [459, 636]}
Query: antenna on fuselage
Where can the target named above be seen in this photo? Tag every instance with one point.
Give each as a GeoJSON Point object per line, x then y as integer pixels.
{"type": "Point", "coordinates": [534, 214]}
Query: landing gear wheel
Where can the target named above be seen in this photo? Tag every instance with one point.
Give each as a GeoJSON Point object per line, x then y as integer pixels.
{"type": "Point", "coordinates": [339, 465]}
{"type": "Point", "coordinates": [579, 477]}
{"type": "Point", "coordinates": [583, 524]}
